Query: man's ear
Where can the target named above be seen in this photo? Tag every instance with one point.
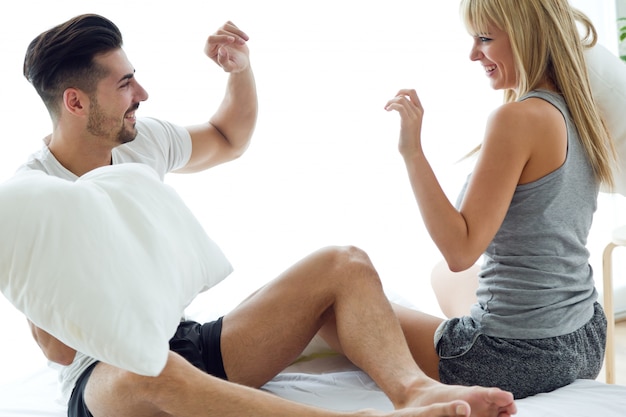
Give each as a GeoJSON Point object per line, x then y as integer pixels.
{"type": "Point", "coordinates": [75, 101]}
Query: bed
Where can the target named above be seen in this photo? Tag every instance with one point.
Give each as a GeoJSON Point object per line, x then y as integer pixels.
{"type": "Point", "coordinates": [319, 377]}
{"type": "Point", "coordinates": [332, 382]}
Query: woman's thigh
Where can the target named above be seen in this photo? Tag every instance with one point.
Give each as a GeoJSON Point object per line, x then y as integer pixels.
{"type": "Point", "coordinates": [419, 330]}
{"type": "Point", "coordinates": [522, 367]}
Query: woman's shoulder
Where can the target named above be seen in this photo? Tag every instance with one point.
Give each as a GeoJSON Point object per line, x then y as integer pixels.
{"type": "Point", "coordinates": [532, 113]}
{"type": "Point", "coordinates": [534, 129]}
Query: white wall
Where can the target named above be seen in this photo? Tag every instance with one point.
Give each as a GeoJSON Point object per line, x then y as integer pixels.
{"type": "Point", "coordinates": [323, 167]}
{"type": "Point", "coordinates": [603, 14]}
{"type": "Point", "coordinates": [621, 13]}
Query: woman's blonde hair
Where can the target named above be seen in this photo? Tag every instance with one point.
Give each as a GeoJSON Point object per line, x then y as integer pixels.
{"type": "Point", "coordinates": [546, 43]}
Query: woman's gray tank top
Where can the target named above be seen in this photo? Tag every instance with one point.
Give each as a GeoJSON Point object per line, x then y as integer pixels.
{"type": "Point", "coordinates": [536, 281]}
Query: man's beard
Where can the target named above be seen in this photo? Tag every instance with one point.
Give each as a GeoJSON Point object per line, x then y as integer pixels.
{"type": "Point", "coordinates": [98, 122]}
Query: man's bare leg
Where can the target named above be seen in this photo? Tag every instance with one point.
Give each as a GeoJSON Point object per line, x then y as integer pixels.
{"type": "Point", "coordinates": [184, 391]}
{"type": "Point", "coordinates": [338, 290]}
{"type": "Point", "coordinates": [336, 287]}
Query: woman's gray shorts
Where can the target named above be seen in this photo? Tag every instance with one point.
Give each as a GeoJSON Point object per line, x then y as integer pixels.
{"type": "Point", "coordinates": [522, 367]}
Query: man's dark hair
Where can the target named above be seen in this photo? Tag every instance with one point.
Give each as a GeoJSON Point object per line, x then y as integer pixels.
{"type": "Point", "coordinates": [62, 57]}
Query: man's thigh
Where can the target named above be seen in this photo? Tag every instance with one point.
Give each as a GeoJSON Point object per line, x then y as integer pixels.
{"type": "Point", "coordinates": [109, 392]}
{"type": "Point", "coordinates": [270, 329]}
{"type": "Point", "coordinates": [105, 390]}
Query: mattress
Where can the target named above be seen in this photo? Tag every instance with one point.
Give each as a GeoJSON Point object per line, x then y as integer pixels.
{"type": "Point", "coordinates": [333, 383]}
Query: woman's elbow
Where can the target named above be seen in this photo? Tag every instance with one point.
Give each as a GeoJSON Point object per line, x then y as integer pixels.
{"type": "Point", "coordinates": [460, 263]}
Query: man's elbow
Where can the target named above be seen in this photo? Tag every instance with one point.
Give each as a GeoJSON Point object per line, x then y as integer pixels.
{"type": "Point", "coordinates": [64, 357]}
{"type": "Point", "coordinates": [237, 150]}
{"type": "Point", "coordinates": [53, 349]}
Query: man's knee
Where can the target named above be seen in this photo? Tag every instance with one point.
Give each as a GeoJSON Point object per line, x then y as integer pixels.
{"type": "Point", "coordinates": [351, 263]}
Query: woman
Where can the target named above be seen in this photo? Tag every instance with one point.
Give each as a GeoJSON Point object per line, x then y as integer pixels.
{"type": "Point", "coordinates": [527, 207]}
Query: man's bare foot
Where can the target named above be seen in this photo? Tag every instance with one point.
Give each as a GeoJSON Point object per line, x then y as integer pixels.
{"type": "Point", "coordinates": [451, 409]}
{"type": "Point", "coordinates": [484, 402]}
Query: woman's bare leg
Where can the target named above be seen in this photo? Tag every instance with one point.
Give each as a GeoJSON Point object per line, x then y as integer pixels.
{"type": "Point", "coordinates": [455, 291]}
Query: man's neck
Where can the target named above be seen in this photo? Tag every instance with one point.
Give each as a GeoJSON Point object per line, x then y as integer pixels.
{"type": "Point", "coordinates": [77, 157]}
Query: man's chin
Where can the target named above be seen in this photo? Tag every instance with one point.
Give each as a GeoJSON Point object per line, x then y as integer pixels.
{"type": "Point", "coordinates": [127, 136]}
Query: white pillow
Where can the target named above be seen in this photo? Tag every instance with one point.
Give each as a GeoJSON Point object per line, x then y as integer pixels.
{"type": "Point", "coordinates": [106, 264]}
{"type": "Point", "coordinates": [607, 74]}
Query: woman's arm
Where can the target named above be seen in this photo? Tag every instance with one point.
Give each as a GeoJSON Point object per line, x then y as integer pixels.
{"type": "Point", "coordinates": [517, 139]}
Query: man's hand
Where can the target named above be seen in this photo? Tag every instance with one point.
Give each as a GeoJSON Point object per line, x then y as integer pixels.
{"type": "Point", "coordinates": [227, 47]}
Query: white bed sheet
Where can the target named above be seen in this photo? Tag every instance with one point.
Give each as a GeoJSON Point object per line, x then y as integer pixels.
{"type": "Point", "coordinates": [339, 386]}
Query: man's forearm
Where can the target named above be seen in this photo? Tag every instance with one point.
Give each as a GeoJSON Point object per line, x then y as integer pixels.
{"type": "Point", "coordinates": [237, 114]}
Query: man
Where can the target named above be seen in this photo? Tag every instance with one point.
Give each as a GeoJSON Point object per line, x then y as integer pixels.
{"type": "Point", "coordinates": [88, 85]}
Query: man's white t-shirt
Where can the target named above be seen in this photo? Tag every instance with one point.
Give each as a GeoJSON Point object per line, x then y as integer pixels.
{"type": "Point", "coordinates": [159, 144]}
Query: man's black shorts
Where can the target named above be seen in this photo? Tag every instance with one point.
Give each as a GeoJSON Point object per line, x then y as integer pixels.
{"type": "Point", "coordinates": [198, 343]}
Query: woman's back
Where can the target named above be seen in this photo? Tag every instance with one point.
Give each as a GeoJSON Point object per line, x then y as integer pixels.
{"type": "Point", "coordinates": [536, 281]}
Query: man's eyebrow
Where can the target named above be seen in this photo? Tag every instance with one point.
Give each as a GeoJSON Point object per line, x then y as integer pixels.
{"type": "Point", "coordinates": [127, 77]}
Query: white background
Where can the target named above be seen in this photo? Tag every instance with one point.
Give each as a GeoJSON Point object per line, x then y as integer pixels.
{"type": "Point", "coordinates": [323, 168]}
